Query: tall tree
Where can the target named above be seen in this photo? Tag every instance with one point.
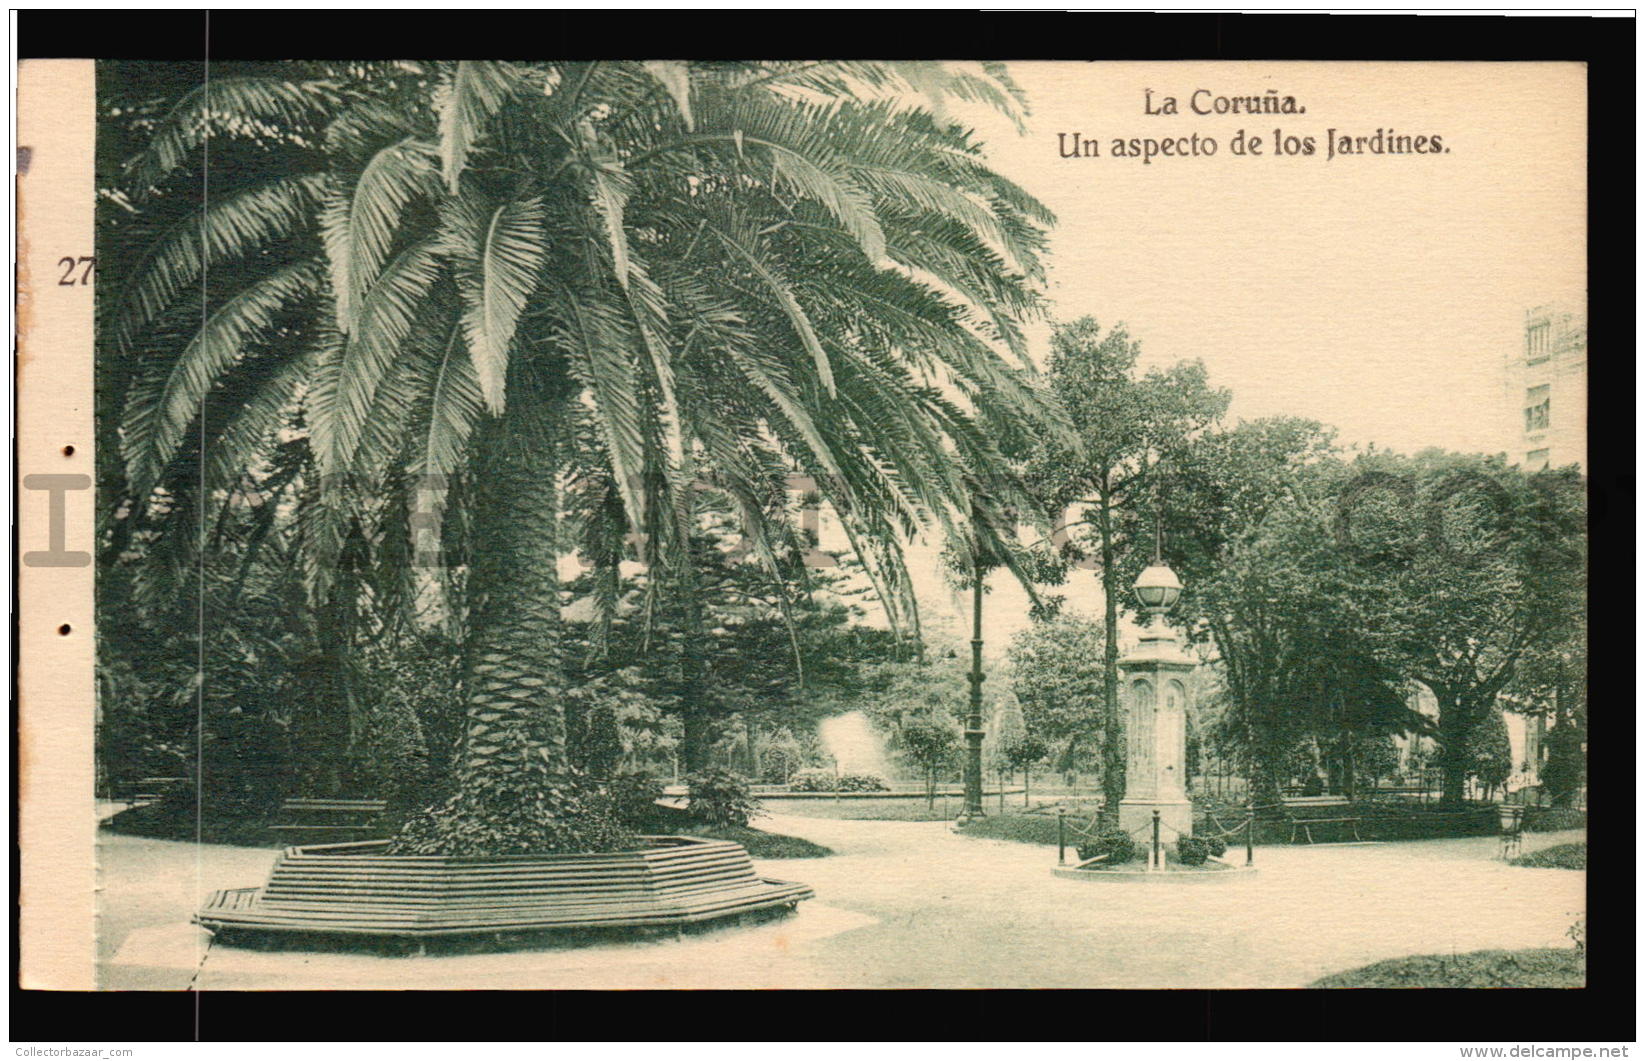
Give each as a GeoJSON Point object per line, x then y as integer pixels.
{"type": "Point", "coordinates": [1126, 423]}
{"type": "Point", "coordinates": [452, 271]}
{"type": "Point", "coordinates": [1550, 688]}
{"type": "Point", "coordinates": [1493, 570]}
{"type": "Point", "coordinates": [1254, 556]}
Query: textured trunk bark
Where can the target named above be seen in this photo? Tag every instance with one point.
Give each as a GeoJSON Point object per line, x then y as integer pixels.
{"type": "Point", "coordinates": [697, 747]}
{"type": "Point", "coordinates": [700, 727]}
{"type": "Point", "coordinates": [1268, 770]}
{"type": "Point", "coordinates": [515, 681]}
{"type": "Point", "coordinates": [1454, 730]}
{"type": "Point", "coordinates": [1113, 730]}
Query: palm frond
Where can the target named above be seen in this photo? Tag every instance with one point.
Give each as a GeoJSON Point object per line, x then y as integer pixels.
{"type": "Point", "coordinates": [837, 193]}
{"type": "Point", "coordinates": [384, 322]}
{"type": "Point", "coordinates": [152, 440]}
{"type": "Point", "coordinates": [785, 298]}
{"type": "Point", "coordinates": [359, 225]}
{"type": "Point", "coordinates": [609, 187]}
{"type": "Point", "coordinates": [674, 76]}
{"type": "Point", "coordinates": [455, 405]}
{"type": "Point", "coordinates": [248, 435]}
{"type": "Point", "coordinates": [266, 107]}
{"type": "Point", "coordinates": [601, 360]}
{"type": "Point", "coordinates": [498, 251]}
{"type": "Point", "coordinates": [224, 230]}
{"type": "Point", "coordinates": [477, 90]}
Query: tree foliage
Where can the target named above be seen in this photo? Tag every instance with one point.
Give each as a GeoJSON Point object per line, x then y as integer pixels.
{"type": "Point", "coordinates": [1126, 424]}
{"type": "Point", "coordinates": [461, 286]}
{"type": "Point", "coordinates": [1056, 675]}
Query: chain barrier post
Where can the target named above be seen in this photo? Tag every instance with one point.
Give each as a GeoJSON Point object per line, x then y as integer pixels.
{"type": "Point", "coordinates": [1157, 863]}
{"type": "Point", "coordinates": [1250, 825]}
{"type": "Point", "coordinates": [1061, 846]}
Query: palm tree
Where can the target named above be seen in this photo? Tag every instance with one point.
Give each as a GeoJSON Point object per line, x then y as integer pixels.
{"type": "Point", "coordinates": [492, 280]}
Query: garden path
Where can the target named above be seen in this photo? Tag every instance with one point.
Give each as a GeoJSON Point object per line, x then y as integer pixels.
{"type": "Point", "coordinates": [910, 904]}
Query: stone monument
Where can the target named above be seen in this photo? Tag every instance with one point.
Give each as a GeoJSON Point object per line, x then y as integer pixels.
{"type": "Point", "coordinates": [1154, 684]}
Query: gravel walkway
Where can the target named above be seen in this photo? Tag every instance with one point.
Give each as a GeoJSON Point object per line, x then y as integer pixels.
{"type": "Point", "coordinates": [910, 904]}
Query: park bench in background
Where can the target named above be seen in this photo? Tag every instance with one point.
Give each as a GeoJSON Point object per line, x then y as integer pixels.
{"type": "Point", "coordinates": [306, 820]}
{"type": "Point", "coordinates": [1307, 824]}
{"type": "Point", "coordinates": [147, 789]}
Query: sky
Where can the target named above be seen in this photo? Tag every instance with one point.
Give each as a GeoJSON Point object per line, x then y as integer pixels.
{"type": "Point", "coordinates": [1378, 294]}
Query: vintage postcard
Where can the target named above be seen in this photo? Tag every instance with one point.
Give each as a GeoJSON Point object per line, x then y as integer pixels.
{"type": "Point", "coordinates": [663, 523]}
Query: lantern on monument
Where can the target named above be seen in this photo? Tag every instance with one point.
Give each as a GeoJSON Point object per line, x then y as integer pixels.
{"type": "Point", "coordinates": [1157, 589]}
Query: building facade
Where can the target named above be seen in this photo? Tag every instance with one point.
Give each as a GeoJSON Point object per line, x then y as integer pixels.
{"type": "Point", "coordinates": [1546, 384]}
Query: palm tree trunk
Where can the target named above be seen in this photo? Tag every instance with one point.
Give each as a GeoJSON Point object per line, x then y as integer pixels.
{"type": "Point", "coordinates": [514, 678]}
{"type": "Point", "coordinates": [701, 728]}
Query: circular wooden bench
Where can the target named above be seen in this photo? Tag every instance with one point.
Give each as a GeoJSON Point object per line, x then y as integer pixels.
{"type": "Point", "coordinates": [357, 889]}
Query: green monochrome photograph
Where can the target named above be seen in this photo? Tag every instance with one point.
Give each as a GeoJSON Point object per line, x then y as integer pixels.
{"type": "Point", "coordinates": [835, 523]}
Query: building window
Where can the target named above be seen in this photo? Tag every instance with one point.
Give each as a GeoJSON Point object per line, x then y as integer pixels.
{"type": "Point", "coordinates": [1536, 460]}
{"type": "Point", "coordinates": [1536, 409]}
{"type": "Point", "coordinates": [1537, 342]}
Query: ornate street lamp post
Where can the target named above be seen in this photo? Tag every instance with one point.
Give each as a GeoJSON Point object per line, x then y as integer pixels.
{"type": "Point", "coordinates": [973, 720]}
{"type": "Point", "coordinates": [981, 561]}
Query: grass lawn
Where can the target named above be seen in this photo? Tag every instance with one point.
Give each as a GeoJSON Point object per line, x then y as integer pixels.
{"type": "Point", "coordinates": [1546, 967]}
{"type": "Point", "coordinates": [1023, 828]}
{"type": "Point", "coordinates": [1560, 856]}
{"type": "Point", "coordinates": [899, 810]}
{"type": "Point", "coordinates": [173, 819]}
{"type": "Point", "coordinates": [760, 844]}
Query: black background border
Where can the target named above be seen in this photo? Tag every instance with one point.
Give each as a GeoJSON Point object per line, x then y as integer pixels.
{"type": "Point", "coordinates": [1603, 1013]}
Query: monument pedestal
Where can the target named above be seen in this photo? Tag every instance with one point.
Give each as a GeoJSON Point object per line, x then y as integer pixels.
{"type": "Point", "coordinates": [1156, 677]}
{"type": "Point", "coordinates": [1176, 818]}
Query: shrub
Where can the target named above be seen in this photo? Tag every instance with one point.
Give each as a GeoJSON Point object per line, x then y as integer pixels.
{"type": "Point", "coordinates": [1215, 846]}
{"type": "Point", "coordinates": [605, 715]}
{"type": "Point", "coordinates": [1551, 967]}
{"type": "Point", "coordinates": [719, 797]}
{"type": "Point", "coordinates": [1560, 856]}
{"type": "Point", "coordinates": [1553, 819]}
{"type": "Point", "coordinates": [812, 781]}
{"type": "Point", "coordinates": [396, 767]}
{"type": "Point", "coordinates": [1118, 846]}
{"type": "Point", "coordinates": [634, 798]}
{"type": "Point", "coordinates": [1562, 773]}
{"type": "Point", "coordinates": [780, 756]}
{"type": "Point", "coordinates": [1192, 851]}
{"type": "Point", "coordinates": [825, 781]}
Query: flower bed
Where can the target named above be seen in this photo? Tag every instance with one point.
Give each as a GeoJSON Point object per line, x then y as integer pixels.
{"type": "Point", "coordinates": [1212, 869]}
